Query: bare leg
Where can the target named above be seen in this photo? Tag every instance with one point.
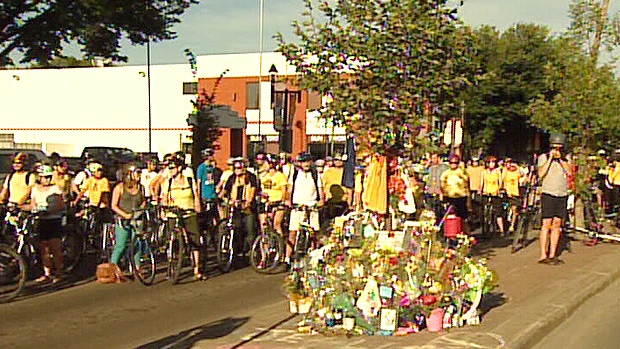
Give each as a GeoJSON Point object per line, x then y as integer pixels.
{"type": "Point", "coordinates": [544, 237]}
{"type": "Point", "coordinates": [291, 242]}
{"type": "Point", "coordinates": [556, 231]}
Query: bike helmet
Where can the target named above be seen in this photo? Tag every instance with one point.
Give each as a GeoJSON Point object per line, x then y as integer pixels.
{"type": "Point", "coordinates": [304, 157]}
{"type": "Point", "coordinates": [319, 163]}
{"type": "Point", "coordinates": [45, 171]}
{"type": "Point", "coordinates": [177, 160]}
{"type": "Point", "coordinates": [557, 138]}
{"type": "Point", "coordinates": [207, 152]}
{"type": "Point", "coordinates": [94, 167]}
{"type": "Point", "coordinates": [20, 157]}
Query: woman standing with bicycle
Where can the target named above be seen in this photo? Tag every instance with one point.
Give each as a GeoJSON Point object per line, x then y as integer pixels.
{"type": "Point", "coordinates": [274, 185]}
{"type": "Point", "coordinates": [46, 198]}
{"type": "Point", "coordinates": [180, 191]}
{"type": "Point", "coordinates": [127, 196]}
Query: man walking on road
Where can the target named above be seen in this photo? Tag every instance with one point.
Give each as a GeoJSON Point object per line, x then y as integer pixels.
{"type": "Point", "coordinates": [553, 171]}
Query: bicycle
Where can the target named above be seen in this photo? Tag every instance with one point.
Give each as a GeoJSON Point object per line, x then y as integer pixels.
{"type": "Point", "coordinates": [268, 248]}
{"type": "Point", "coordinates": [528, 211]}
{"type": "Point", "coordinates": [13, 272]}
{"type": "Point", "coordinates": [307, 237]}
{"type": "Point", "coordinates": [228, 237]}
{"type": "Point", "coordinates": [489, 217]}
{"type": "Point", "coordinates": [140, 255]}
{"type": "Point", "coordinates": [178, 251]}
{"type": "Point", "coordinates": [599, 226]}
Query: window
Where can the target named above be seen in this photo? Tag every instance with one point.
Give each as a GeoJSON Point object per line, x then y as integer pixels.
{"type": "Point", "coordinates": [252, 95]}
{"type": "Point", "coordinates": [190, 88]}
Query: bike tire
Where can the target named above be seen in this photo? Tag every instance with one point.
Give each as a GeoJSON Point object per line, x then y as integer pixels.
{"type": "Point", "coordinates": [145, 268]}
{"type": "Point", "coordinates": [73, 248]}
{"type": "Point", "coordinates": [520, 235]}
{"type": "Point", "coordinates": [487, 222]}
{"type": "Point", "coordinates": [225, 248]}
{"type": "Point", "coordinates": [176, 246]}
{"type": "Point", "coordinates": [302, 243]}
{"type": "Point", "coordinates": [13, 273]}
{"type": "Point", "coordinates": [266, 252]}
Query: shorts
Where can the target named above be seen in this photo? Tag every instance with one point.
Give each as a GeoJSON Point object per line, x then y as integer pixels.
{"type": "Point", "coordinates": [298, 217]}
{"type": "Point", "coordinates": [50, 228]}
{"type": "Point", "coordinates": [553, 206]}
{"type": "Point", "coordinates": [514, 200]}
{"type": "Point", "coordinates": [497, 203]}
{"type": "Point", "coordinates": [191, 227]}
{"type": "Point", "coordinates": [460, 206]}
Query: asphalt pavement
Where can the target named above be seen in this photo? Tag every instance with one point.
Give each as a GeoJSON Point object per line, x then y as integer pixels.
{"type": "Point", "coordinates": [243, 309]}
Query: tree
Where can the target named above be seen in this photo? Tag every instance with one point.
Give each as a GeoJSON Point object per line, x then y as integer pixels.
{"type": "Point", "coordinates": [592, 28]}
{"type": "Point", "coordinates": [381, 64]}
{"type": "Point", "coordinates": [514, 73]}
{"type": "Point", "coordinates": [38, 29]}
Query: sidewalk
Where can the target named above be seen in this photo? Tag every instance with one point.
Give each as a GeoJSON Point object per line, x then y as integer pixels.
{"type": "Point", "coordinates": [532, 299]}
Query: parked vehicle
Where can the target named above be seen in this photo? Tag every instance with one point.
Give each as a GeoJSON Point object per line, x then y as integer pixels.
{"type": "Point", "coordinates": [6, 160]}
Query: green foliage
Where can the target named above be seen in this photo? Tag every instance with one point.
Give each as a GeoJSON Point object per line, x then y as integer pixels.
{"type": "Point", "coordinates": [37, 29]}
{"type": "Point", "coordinates": [64, 62]}
{"type": "Point", "coordinates": [513, 64]}
{"type": "Point", "coordinates": [380, 62]}
{"type": "Point", "coordinates": [592, 28]}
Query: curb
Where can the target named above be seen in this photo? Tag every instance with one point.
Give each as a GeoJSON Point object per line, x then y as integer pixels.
{"type": "Point", "coordinates": [548, 312]}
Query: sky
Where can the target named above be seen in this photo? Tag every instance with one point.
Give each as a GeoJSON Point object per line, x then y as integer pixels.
{"type": "Point", "coordinates": [233, 26]}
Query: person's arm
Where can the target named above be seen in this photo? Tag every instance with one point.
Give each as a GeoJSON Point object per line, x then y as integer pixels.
{"type": "Point", "coordinates": [544, 161]}
{"type": "Point", "coordinates": [321, 193]}
{"type": "Point", "coordinates": [197, 202]}
{"type": "Point", "coordinates": [105, 194]}
{"type": "Point", "coordinates": [4, 192]}
{"type": "Point", "coordinates": [116, 198]}
{"type": "Point", "coordinates": [81, 193]}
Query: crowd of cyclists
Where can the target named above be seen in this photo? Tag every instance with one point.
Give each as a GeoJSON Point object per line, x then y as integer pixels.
{"type": "Point", "coordinates": [273, 185]}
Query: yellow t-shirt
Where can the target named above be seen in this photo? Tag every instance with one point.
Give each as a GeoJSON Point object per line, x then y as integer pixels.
{"type": "Point", "coordinates": [454, 183]}
{"type": "Point", "coordinates": [511, 181]}
{"type": "Point", "coordinates": [95, 188]}
{"type": "Point", "coordinates": [614, 175]}
{"type": "Point", "coordinates": [474, 173]}
{"type": "Point", "coordinates": [491, 180]}
{"type": "Point", "coordinates": [179, 195]}
{"type": "Point", "coordinates": [274, 185]}
{"type": "Point", "coordinates": [19, 191]}
{"type": "Point", "coordinates": [63, 182]}
{"type": "Point", "coordinates": [332, 176]}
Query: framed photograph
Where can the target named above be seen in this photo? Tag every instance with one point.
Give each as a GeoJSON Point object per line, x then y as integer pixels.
{"type": "Point", "coordinates": [388, 319]}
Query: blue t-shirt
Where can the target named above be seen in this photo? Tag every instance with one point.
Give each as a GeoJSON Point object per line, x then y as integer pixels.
{"type": "Point", "coordinates": [206, 176]}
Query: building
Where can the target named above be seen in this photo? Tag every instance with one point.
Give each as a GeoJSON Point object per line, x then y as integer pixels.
{"type": "Point", "coordinates": [65, 110]}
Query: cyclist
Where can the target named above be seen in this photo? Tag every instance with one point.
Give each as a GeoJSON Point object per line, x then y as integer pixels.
{"type": "Point", "coordinates": [274, 186]}
{"type": "Point", "coordinates": [180, 190]}
{"type": "Point", "coordinates": [433, 184]}
{"type": "Point", "coordinates": [455, 188]}
{"type": "Point", "coordinates": [80, 178]}
{"type": "Point", "coordinates": [62, 178]}
{"type": "Point", "coordinates": [511, 183]}
{"type": "Point", "coordinates": [613, 182]}
{"type": "Point", "coordinates": [241, 188]}
{"type": "Point", "coordinates": [207, 176]}
{"type": "Point", "coordinates": [47, 199]}
{"type": "Point", "coordinates": [147, 175]}
{"type": "Point", "coordinates": [97, 187]}
{"type": "Point", "coordinates": [18, 184]}
{"type": "Point", "coordinates": [553, 170]}
{"type": "Point", "coordinates": [474, 172]}
{"type": "Point", "coordinates": [127, 196]}
{"type": "Point", "coordinates": [304, 189]}
{"type": "Point", "coordinates": [490, 186]}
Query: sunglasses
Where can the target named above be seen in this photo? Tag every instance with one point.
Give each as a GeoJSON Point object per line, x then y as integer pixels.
{"type": "Point", "coordinates": [17, 163]}
{"type": "Point", "coordinates": [46, 177]}
{"type": "Point", "coordinates": [453, 163]}
{"type": "Point", "coordinates": [238, 168]}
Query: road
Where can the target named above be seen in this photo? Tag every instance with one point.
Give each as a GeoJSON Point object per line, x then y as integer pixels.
{"type": "Point", "coordinates": [129, 315]}
{"type": "Point", "coordinates": [594, 325]}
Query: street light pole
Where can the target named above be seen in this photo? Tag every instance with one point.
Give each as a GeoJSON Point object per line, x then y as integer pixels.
{"type": "Point", "coordinates": [148, 88]}
{"type": "Point", "coordinates": [260, 73]}
{"type": "Point", "coordinates": [283, 111]}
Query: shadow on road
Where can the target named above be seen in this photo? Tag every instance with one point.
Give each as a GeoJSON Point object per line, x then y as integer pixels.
{"type": "Point", "coordinates": [187, 339]}
{"type": "Point", "coordinates": [490, 301]}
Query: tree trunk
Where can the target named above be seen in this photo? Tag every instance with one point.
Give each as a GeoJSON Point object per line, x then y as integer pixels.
{"type": "Point", "coordinates": [600, 27]}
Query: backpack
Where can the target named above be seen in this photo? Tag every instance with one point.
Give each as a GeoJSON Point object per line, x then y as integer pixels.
{"type": "Point", "coordinates": [315, 177]}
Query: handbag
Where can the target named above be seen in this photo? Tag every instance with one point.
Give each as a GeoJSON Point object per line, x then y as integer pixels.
{"type": "Point", "coordinates": [109, 273]}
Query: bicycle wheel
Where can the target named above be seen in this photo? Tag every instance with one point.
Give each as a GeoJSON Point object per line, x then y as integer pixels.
{"type": "Point", "coordinates": [73, 247]}
{"type": "Point", "coordinates": [487, 221]}
{"type": "Point", "coordinates": [302, 243]}
{"type": "Point", "coordinates": [520, 235]}
{"type": "Point", "coordinates": [142, 259]}
{"type": "Point", "coordinates": [225, 247]}
{"type": "Point", "coordinates": [13, 272]}
{"type": "Point", "coordinates": [176, 246]}
{"type": "Point", "coordinates": [266, 252]}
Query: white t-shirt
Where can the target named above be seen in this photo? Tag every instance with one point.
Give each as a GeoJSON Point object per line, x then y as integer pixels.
{"type": "Point", "coordinates": [41, 199]}
{"type": "Point", "coordinates": [146, 177]}
{"type": "Point", "coordinates": [305, 192]}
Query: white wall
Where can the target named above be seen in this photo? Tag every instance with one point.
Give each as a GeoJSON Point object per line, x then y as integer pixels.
{"type": "Point", "coordinates": [72, 108]}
